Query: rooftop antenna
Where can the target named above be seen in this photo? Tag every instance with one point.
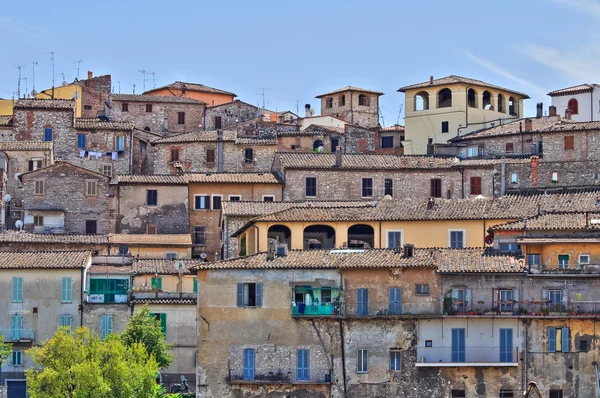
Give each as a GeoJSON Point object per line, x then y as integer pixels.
{"type": "Point", "coordinates": [264, 90]}
{"type": "Point", "coordinates": [399, 113]}
{"type": "Point", "coordinates": [19, 67]}
{"type": "Point", "coordinates": [143, 72]}
{"type": "Point", "coordinates": [26, 89]}
{"type": "Point", "coordinates": [78, 67]}
{"type": "Point", "coordinates": [153, 79]}
{"type": "Point", "coordinates": [134, 88]}
{"type": "Point", "coordinates": [52, 59]}
{"type": "Point", "coordinates": [33, 92]}
{"type": "Point", "coordinates": [119, 83]}
{"type": "Point", "coordinates": [64, 82]}
{"type": "Point", "coordinates": [381, 116]}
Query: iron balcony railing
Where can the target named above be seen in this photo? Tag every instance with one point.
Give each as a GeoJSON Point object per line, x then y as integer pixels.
{"type": "Point", "coordinates": [313, 375]}
{"type": "Point", "coordinates": [390, 309]}
{"type": "Point", "coordinates": [521, 308]}
{"type": "Point", "coordinates": [467, 356]}
{"type": "Point", "coordinates": [317, 302]}
{"type": "Point", "coordinates": [14, 335]}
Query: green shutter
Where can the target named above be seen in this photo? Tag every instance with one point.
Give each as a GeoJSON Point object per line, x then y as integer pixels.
{"type": "Point", "coordinates": [67, 293]}
{"type": "Point", "coordinates": [157, 283]}
{"type": "Point", "coordinates": [17, 290]}
{"type": "Point", "coordinates": [163, 324]}
{"type": "Point", "coordinates": [195, 285]}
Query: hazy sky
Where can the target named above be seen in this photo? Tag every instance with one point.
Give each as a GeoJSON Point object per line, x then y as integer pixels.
{"type": "Point", "coordinates": [299, 49]}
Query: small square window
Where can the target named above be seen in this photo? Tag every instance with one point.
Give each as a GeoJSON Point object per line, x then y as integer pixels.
{"type": "Point", "coordinates": [445, 127]}
{"type": "Point", "coordinates": [428, 343]}
{"type": "Point", "coordinates": [506, 394]}
{"type": "Point", "coordinates": [152, 197]}
{"type": "Point", "coordinates": [87, 107]}
{"type": "Point", "coordinates": [125, 107]}
{"type": "Point", "coordinates": [556, 394]}
{"type": "Point", "coordinates": [458, 394]}
{"type": "Point", "coordinates": [584, 259]}
{"type": "Point", "coordinates": [422, 289]}
{"type": "Point", "coordinates": [509, 147]}
{"type": "Point", "coordinates": [268, 198]}
{"type": "Point", "coordinates": [107, 170]}
{"type": "Point", "coordinates": [234, 198]}
{"type": "Point", "coordinates": [170, 255]}
{"type": "Point", "coordinates": [151, 229]}
{"type": "Point", "coordinates": [583, 345]}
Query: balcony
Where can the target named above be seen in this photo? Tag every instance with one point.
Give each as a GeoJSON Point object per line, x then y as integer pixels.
{"type": "Point", "coordinates": [423, 309]}
{"type": "Point", "coordinates": [316, 376]}
{"type": "Point", "coordinates": [171, 297]}
{"type": "Point", "coordinates": [17, 335]}
{"type": "Point", "coordinates": [471, 356]}
{"type": "Point", "coordinates": [529, 308]}
{"type": "Point", "coordinates": [317, 302]}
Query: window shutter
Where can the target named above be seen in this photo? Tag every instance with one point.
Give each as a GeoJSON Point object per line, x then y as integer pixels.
{"type": "Point", "coordinates": [516, 294]}
{"type": "Point", "coordinates": [259, 294]}
{"type": "Point", "coordinates": [240, 294]}
{"type": "Point", "coordinates": [551, 340]}
{"type": "Point", "coordinates": [468, 298]}
{"type": "Point", "coordinates": [565, 339]}
{"type": "Point", "coordinates": [392, 303]}
{"type": "Point", "coordinates": [109, 324]}
{"type": "Point", "coordinates": [545, 294]}
{"type": "Point", "coordinates": [103, 326]}
{"type": "Point", "coordinates": [195, 285]}
{"type": "Point", "coordinates": [163, 324]}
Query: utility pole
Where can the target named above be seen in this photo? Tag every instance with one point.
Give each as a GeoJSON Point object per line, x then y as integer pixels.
{"type": "Point", "coordinates": [52, 59]}
{"type": "Point", "coordinates": [19, 67]}
{"type": "Point", "coordinates": [33, 64]}
{"type": "Point", "coordinates": [143, 72]}
{"type": "Point", "coordinates": [78, 67]}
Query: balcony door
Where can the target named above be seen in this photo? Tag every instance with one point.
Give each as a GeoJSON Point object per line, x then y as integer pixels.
{"type": "Point", "coordinates": [506, 344]}
{"type": "Point", "coordinates": [458, 345]}
{"type": "Point", "coordinates": [506, 298]}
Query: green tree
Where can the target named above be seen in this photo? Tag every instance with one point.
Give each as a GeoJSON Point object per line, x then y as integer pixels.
{"type": "Point", "coordinates": [144, 328]}
{"type": "Point", "coordinates": [81, 365]}
{"type": "Point", "coordinates": [5, 352]}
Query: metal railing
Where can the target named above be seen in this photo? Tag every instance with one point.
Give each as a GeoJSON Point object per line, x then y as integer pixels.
{"type": "Point", "coordinates": [521, 308]}
{"type": "Point", "coordinates": [431, 356]}
{"type": "Point", "coordinates": [329, 309]}
{"type": "Point", "coordinates": [13, 335]}
{"type": "Point", "coordinates": [315, 375]}
{"type": "Point", "coordinates": [385, 308]}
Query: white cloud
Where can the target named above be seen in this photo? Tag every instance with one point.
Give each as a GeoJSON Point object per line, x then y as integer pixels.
{"type": "Point", "coordinates": [587, 6]}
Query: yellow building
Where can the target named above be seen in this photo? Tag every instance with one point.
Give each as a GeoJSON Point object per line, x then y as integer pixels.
{"type": "Point", "coordinates": [6, 106]}
{"type": "Point", "coordinates": [441, 109]}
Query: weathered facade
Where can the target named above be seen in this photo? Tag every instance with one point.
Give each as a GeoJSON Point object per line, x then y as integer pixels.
{"type": "Point", "coordinates": [228, 114]}
{"type": "Point", "coordinates": [354, 105]}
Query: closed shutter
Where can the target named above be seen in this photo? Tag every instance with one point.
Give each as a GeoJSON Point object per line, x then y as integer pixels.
{"type": "Point", "coordinates": [565, 339]}
{"type": "Point", "coordinates": [195, 285]}
{"type": "Point", "coordinates": [248, 364]}
{"type": "Point", "coordinates": [67, 293]}
{"type": "Point", "coordinates": [551, 339]}
{"type": "Point", "coordinates": [240, 294]}
{"type": "Point", "coordinates": [436, 187]}
{"type": "Point", "coordinates": [259, 295]}
{"type": "Point", "coordinates": [17, 290]}
{"type": "Point", "coordinates": [157, 283]}
{"type": "Point", "coordinates": [302, 364]}
{"type": "Point", "coordinates": [475, 185]}
{"type": "Point", "coordinates": [103, 327]}
{"type": "Point", "coordinates": [395, 304]}
{"type": "Point", "coordinates": [362, 301]}
{"type": "Point", "coordinates": [569, 142]}
{"type": "Point", "coordinates": [468, 298]}
{"type": "Point", "coordinates": [163, 324]}
{"type": "Point", "coordinates": [109, 324]}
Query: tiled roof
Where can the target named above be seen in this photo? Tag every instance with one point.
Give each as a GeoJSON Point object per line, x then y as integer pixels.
{"type": "Point", "coordinates": [571, 125]}
{"type": "Point", "coordinates": [98, 124]}
{"type": "Point", "coordinates": [25, 146]}
{"type": "Point", "coordinates": [554, 221]}
{"type": "Point", "coordinates": [234, 102]}
{"type": "Point", "coordinates": [255, 141]}
{"type": "Point", "coordinates": [164, 301]}
{"type": "Point", "coordinates": [239, 178]}
{"type": "Point", "coordinates": [151, 179]}
{"type": "Point", "coordinates": [317, 128]}
{"type": "Point", "coordinates": [197, 136]}
{"type": "Point", "coordinates": [263, 208]}
{"type": "Point", "coordinates": [192, 87]}
{"type": "Point", "coordinates": [475, 260]}
{"type": "Point", "coordinates": [154, 98]}
{"type": "Point", "coordinates": [38, 103]}
{"type": "Point", "coordinates": [44, 259]}
{"type": "Point", "coordinates": [27, 237]}
{"type": "Point", "coordinates": [533, 240]}
{"type": "Point", "coordinates": [453, 79]}
{"type": "Point", "coordinates": [354, 161]}
{"type": "Point", "coordinates": [579, 89]}
{"type": "Point", "coordinates": [151, 239]}
{"type": "Point", "coordinates": [111, 269]}
{"type": "Point", "coordinates": [394, 128]}
{"type": "Point", "coordinates": [163, 266]}
{"type": "Point", "coordinates": [512, 128]}
{"type": "Point", "coordinates": [62, 165]}
{"type": "Point", "coordinates": [5, 120]}
{"type": "Point", "coordinates": [350, 88]}
{"type": "Point", "coordinates": [490, 162]}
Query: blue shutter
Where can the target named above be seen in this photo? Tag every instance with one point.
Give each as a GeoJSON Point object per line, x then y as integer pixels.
{"type": "Point", "coordinates": [506, 342]}
{"type": "Point", "coordinates": [362, 301]}
{"type": "Point", "coordinates": [565, 339]}
{"type": "Point", "coordinates": [103, 327]}
{"type": "Point", "coordinates": [458, 345]}
{"type": "Point", "coordinates": [551, 339]}
{"type": "Point", "coordinates": [259, 295]}
{"type": "Point", "coordinates": [395, 305]}
{"type": "Point", "coordinates": [248, 364]}
{"type": "Point", "coordinates": [17, 290]}
{"type": "Point", "coordinates": [48, 134]}
{"type": "Point", "coordinates": [67, 293]}
{"type": "Point", "coordinates": [302, 364]}
{"type": "Point", "coordinates": [109, 329]}
{"type": "Point", "coordinates": [81, 138]}
{"type": "Point", "coordinates": [240, 294]}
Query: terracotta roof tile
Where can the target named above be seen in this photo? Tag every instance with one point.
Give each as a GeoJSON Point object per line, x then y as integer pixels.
{"type": "Point", "coordinates": [25, 146]}
{"type": "Point", "coordinates": [245, 178]}
{"type": "Point", "coordinates": [154, 98]}
{"type": "Point", "coordinates": [192, 87]}
{"type": "Point", "coordinates": [164, 301]}
{"type": "Point", "coordinates": [317, 128]}
{"type": "Point", "coordinates": [394, 128]}
{"type": "Point", "coordinates": [27, 237]}
{"type": "Point", "coordinates": [350, 88]}
{"type": "Point", "coordinates": [5, 120]}
{"type": "Point", "coordinates": [255, 141]}
{"type": "Point", "coordinates": [163, 266]}
{"type": "Point", "coordinates": [533, 240]}
{"type": "Point", "coordinates": [151, 179]}
{"type": "Point", "coordinates": [453, 79]}
{"type": "Point", "coordinates": [579, 89]}
{"type": "Point", "coordinates": [197, 136]}
{"type": "Point", "coordinates": [98, 124]}
{"type": "Point", "coordinates": [44, 259]}
{"type": "Point", "coordinates": [111, 269]}
{"type": "Point", "coordinates": [537, 125]}
{"type": "Point", "coordinates": [554, 221]}
{"type": "Point", "coordinates": [572, 125]}
{"type": "Point", "coordinates": [475, 260]}
{"type": "Point", "coordinates": [351, 161]}
{"type": "Point", "coordinates": [262, 208]}
{"type": "Point", "coordinates": [151, 239]}
{"type": "Point", "coordinates": [38, 103]}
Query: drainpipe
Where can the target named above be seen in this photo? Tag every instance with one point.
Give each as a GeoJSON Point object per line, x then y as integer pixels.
{"type": "Point", "coordinates": [343, 356]}
{"type": "Point", "coordinates": [521, 134]}
{"type": "Point", "coordinates": [462, 182]}
{"type": "Point", "coordinates": [130, 151]}
{"type": "Point", "coordinates": [525, 359]}
{"type": "Point", "coordinates": [592, 104]}
{"type": "Point", "coordinates": [502, 182]}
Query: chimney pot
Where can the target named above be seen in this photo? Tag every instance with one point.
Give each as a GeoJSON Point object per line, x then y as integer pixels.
{"type": "Point", "coordinates": [540, 110]}
{"type": "Point", "coordinates": [552, 110]}
{"type": "Point", "coordinates": [307, 110]}
{"type": "Point", "coordinates": [90, 74]}
{"type": "Point", "coordinates": [430, 79]}
{"type": "Point", "coordinates": [338, 156]}
{"type": "Point", "coordinates": [568, 114]}
{"type": "Point", "coordinates": [528, 124]}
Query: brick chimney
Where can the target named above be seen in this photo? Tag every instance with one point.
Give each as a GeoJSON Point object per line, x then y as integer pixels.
{"type": "Point", "coordinates": [568, 114]}
{"type": "Point", "coordinates": [535, 177]}
{"type": "Point", "coordinates": [90, 74]}
{"type": "Point", "coordinates": [528, 124]}
{"type": "Point", "coordinates": [552, 110]}
{"type": "Point", "coordinates": [338, 156]}
{"type": "Point", "coordinates": [430, 79]}
{"type": "Point", "coordinates": [539, 110]}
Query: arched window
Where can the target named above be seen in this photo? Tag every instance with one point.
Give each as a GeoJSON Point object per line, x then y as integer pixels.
{"type": "Point", "coordinates": [500, 103]}
{"type": "Point", "coordinates": [329, 103]}
{"type": "Point", "coordinates": [472, 98]}
{"type": "Point", "coordinates": [573, 105]}
{"type": "Point", "coordinates": [248, 155]}
{"type": "Point", "coordinates": [343, 100]}
{"type": "Point", "coordinates": [422, 101]}
{"type": "Point", "coordinates": [511, 106]}
{"type": "Point", "coordinates": [486, 100]}
{"type": "Point", "coordinates": [147, 129]}
{"type": "Point", "coordinates": [444, 98]}
{"type": "Point", "coordinates": [363, 100]}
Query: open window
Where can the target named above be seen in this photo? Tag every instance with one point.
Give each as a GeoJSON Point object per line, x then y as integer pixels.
{"type": "Point", "coordinates": [486, 101]}
{"type": "Point", "coordinates": [501, 103]}
{"type": "Point", "coordinates": [422, 101]}
{"type": "Point", "coordinates": [363, 100]}
{"type": "Point", "coordinates": [444, 98]}
{"type": "Point", "coordinates": [471, 98]}
{"type": "Point", "coordinates": [329, 103]}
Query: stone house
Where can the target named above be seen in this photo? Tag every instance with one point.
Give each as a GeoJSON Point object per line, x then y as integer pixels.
{"type": "Point", "coordinates": [67, 198]}
{"type": "Point", "coordinates": [45, 120]}
{"type": "Point", "coordinates": [225, 115]}
{"type": "Point", "coordinates": [209, 95]}
{"type": "Point", "coordinates": [356, 106]}
{"type": "Point", "coordinates": [40, 291]}
{"type": "Point", "coordinates": [163, 115]}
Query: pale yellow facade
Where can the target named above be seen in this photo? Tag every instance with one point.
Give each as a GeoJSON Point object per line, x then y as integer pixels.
{"type": "Point", "coordinates": [155, 251]}
{"type": "Point", "coordinates": [424, 116]}
{"type": "Point", "coordinates": [6, 106]}
{"type": "Point", "coordinates": [170, 283]}
{"type": "Point", "coordinates": [68, 92]}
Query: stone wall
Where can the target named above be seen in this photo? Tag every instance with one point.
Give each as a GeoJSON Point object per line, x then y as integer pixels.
{"type": "Point", "coordinates": [351, 111]}
{"type": "Point", "coordinates": [92, 316]}
{"type": "Point", "coordinates": [100, 141]}
{"type": "Point", "coordinates": [31, 123]}
{"type": "Point", "coordinates": [537, 174]}
{"type": "Point", "coordinates": [231, 113]}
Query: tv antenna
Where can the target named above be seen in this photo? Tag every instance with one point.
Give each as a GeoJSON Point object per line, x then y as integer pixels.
{"type": "Point", "coordinates": [78, 67]}
{"type": "Point", "coordinates": [143, 72]}
{"type": "Point", "coordinates": [19, 67]}
{"type": "Point", "coordinates": [263, 94]}
{"type": "Point", "coordinates": [399, 113]}
{"type": "Point", "coordinates": [153, 79]}
{"type": "Point", "coordinates": [52, 59]}
{"type": "Point", "coordinates": [33, 92]}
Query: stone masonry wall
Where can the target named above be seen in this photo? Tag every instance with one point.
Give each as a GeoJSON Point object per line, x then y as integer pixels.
{"type": "Point", "coordinates": [232, 113]}
{"type": "Point", "coordinates": [352, 112]}
{"type": "Point", "coordinates": [30, 125]}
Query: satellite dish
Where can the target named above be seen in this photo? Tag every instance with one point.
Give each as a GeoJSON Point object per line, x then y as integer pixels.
{"type": "Point", "coordinates": [7, 198]}
{"type": "Point", "coordinates": [33, 93]}
{"type": "Point", "coordinates": [19, 224]}
{"type": "Point", "coordinates": [76, 96]}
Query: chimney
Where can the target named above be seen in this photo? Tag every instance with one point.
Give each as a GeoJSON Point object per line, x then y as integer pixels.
{"type": "Point", "coordinates": [552, 110]}
{"type": "Point", "coordinates": [430, 204]}
{"type": "Point", "coordinates": [90, 74]}
{"type": "Point", "coordinates": [540, 110]}
{"type": "Point", "coordinates": [534, 164]}
{"type": "Point", "coordinates": [568, 114]}
{"type": "Point", "coordinates": [430, 79]}
{"type": "Point", "coordinates": [307, 110]}
{"type": "Point", "coordinates": [271, 249]}
{"type": "Point", "coordinates": [528, 124]}
{"type": "Point", "coordinates": [338, 156]}
{"type": "Point", "coordinates": [398, 249]}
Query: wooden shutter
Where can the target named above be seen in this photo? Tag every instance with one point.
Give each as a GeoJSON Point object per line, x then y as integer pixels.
{"type": "Point", "coordinates": [569, 142]}
{"type": "Point", "coordinates": [163, 323]}
{"type": "Point", "coordinates": [551, 339]}
{"type": "Point", "coordinates": [436, 187]}
{"type": "Point", "coordinates": [67, 294]}
{"type": "Point", "coordinates": [240, 294]}
{"type": "Point", "coordinates": [565, 339]}
{"type": "Point", "coordinates": [475, 185]}
{"type": "Point", "coordinates": [259, 295]}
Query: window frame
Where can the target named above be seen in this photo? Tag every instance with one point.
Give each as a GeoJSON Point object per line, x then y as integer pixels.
{"type": "Point", "coordinates": [172, 152]}
{"type": "Point", "coordinates": [387, 237]}
{"type": "Point", "coordinates": [569, 142]}
{"type": "Point", "coordinates": [243, 295]}
{"type": "Point", "coordinates": [66, 289]}
{"type": "Point", "coordinates": [395, 361]}
{"type": "Point", "coordinates": [388, 182]}
{"type": "Point", "coordinates": [214, 155]}
{"type": "Point", "coordinates": [464, 237]}
{"type": "Point", "coordinates": [303, 370]}
{"type": "Point", "coordinates": [385, 144]}
{"type": "Point", "coordinates": [63, 321]}
{"type": "Point", "coordinates": [148, 108]}
{"type": "Point", "coordinates": [213, 207]}
{"type": "Point", "coordinates": [362, 187]}
{"type": "Point", "coordinates": [445, 129]}
{"type": "Point", "coordinates": [81, 140]}
{"type": "Point", "coordinates": [150, 196]}
{"type": "Point", "coordinates": [106, 326]}
{"type": "Point", "coordinates": [89, 184]}
{"type": "Point", "coordinates": [149, 227]}
{"type": "Point", "coordinates": [109, 168]}
{"type": "Point", "coordinates": [194, 234]}
{"type": "Point", "coordinates": [589, 258]}
{"type": "Point", "coordinates": [539, 258]}
{"type": "Point", "coordinates": [562, 264]}
{"type": "Point", "coordinates": [42, 184]}
{"type": "Point", "coordinates": [180, 118]}
{"type": "Point", "coordinates": [48, 133]}
{"type": "Point", "coordinates": [17, 359]}
{"type": "Point", "coordinates": [316, 191]}
{"type": "Point", "coordinates": [477, 185]}
{"type": "Point", "coordinates": [272, 197]}
{"type": "Point", "coordinates": [239, 198]}
{"type": "Point", "coordinates": [246, 152]}
{"type": "Point", "coordinates": [509, 147]}
{"type": "Point", "coordinates": [120, 143]}
{"type": "Point", "coordinates": [362, 358]}
{"type": "Point", "coordinates": [207, 201]}
{"type": "Point", "coordinates": [248, 372]}
{"type": "Point", "coordinates": [17, 289]}
{"type": "Point", "coordinates": [417, 293]}
{"type": "Point", "coordinates": [433, 192]}
{"type": "Point", "coordinates": [125, 107]}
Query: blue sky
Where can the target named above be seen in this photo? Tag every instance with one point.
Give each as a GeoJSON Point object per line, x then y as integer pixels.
{"type": "Point", "coordinates": [297, 50]}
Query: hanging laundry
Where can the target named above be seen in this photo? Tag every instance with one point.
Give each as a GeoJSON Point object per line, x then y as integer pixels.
{"type": "Point", "coordinates": [115, 156]}
{"type": "Point", "coordinates": [82, 153]}
{"type": "Point", "coordinates": [98, 155]}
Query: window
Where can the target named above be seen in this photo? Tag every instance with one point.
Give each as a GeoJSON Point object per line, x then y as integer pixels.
{"type": "Point", "coordinates": [107, 170]}
{"type": "Point", "coordinates": [458, 394]}
{"type": "Point", "coordinates": [161, 318]}
{"type": "Point", "coordinates": [234, 198]}
{"type": "Point", "coordinates": [363, 100]}
{"type": "Point", "coordinates": [475, 185]}
{"type": "Point", "coordinates": [569, 142]}
{"type": "Point", "coordinates": [563, 261]}
{"type": "Point", "coordinates": [91, 226]}
{"type": "Point", "coordinates": [87, 107]}
{"type": "Point", "coordinates": [268, 198]}
{"type": "Point", "coordinates": [66, 321]}
{"type": "Point", "coordinates": [362, 361]}
{"type": "Point", "coordinates": [156, 282]}
{"type": "Point", "coordinates": [124, 107]}
{"type": "Point", "coordinates": [17, 290]}
{"type": "Point", "coordinates": [248, 155]}
{"type": "Point", "coordinates": [16, 330]}
{"type": "Point", "coordinates": [436, 187]}
{"type": "Point", "coordinates": [555, 299]}
{"type": "Point", "coordinates": [195, 285]}
{"type": "Point", "coordinates": [573, 105]}
{"type": "Point", "coordinates": [210, 155]}
{"type": "Point", "coordinates": [387, 142]}
{"type": "Point", "coordinates": [152, 197]}
{"type": "Point", "coordinates": [558, 339]}
{"type": "Point", "coordinates": [218, 122]}
{"type": "Point", "coordinates": [428, 343]}
{"type": "Point", "coordinates": [456, 239]}
{"type": "Point", "coordinates": [343, 100]}
{"type": "Point", "coordinates": [421, 101]}
{"type": "Point", "coordinates": [509, 147]}
{"type": "Point", "coordinates": [583, 345]}
{"type": "Point", "coordinates": [48, 134]}
{"type": "Point", "coordinates": [471, 98]}
{"type": "Point", "coordinates": [302, 364]}
{"type": "Point", "coordinates": [486, 101]}
{"type": "Point", "coordinates": [151, 229]}
{"type": "Point", "coordinates": [388, 187]}
{"type": "Point", "coordinates": [148, 107]}
{"type": "Point", "coordinates": [311, 187]}
{"type": "Point", "coordinates": [514, 178]}
{"type": "Point", "coordinates": [249, 294]}
{"type": "Point", "coordinates": [38, 221]}
{"type": "Point", "coordinates": [584, 259]}
{"type": "Point", "coordinates": [329, 103]}
{"type": "Point", "coordinates": [445, 127]}
{"type": "Point", "coordinates": [422, 289]}
{"type": "Point", "coordinates": [362, 301]}
{"type": "Point", "coordinates": [505, 394]}
{"type": "Point", "coordinates": [472, 151]}
{"type": "Point", "coordinates": [175, 155]}
{"type": "Point", "coordinates": [120, 143]}
{"type": "Point", "coordinates": [67, 292]}
{"type": "Point", "coordinates": [91, 188]}
{"type": "Point", "coordinates": [506, 344]}
{"type": "Point", "coordinates": [533, 259]}
{"type": "Point", "coordinates": [444, 98]}
{"type": "Point", "coordinates": [81, 141]}
{"type": "Point", "coordinates": [510, 247]}
{"type": "Point", "coordinates": [395, 300]}
{"type": "Point", "coordinates": [106, 326]}
{"type": "Point", "coordinates": [458, 345]}
{"type": "Point", "coordinates": [170, 255]}
{"type": "Point", "coordinates": [335, 142]}
{"type": "Point", "coordinates": [16, 358]}
{"type": "Point", "coordinates": [216, 202]}
{"type": "Point", "coordinates": [112, 290]}
{"type": "Point", "coordinates": [201, 202]}
{"type": "Point", "coordinates": [556, 394]}
{"type": "Point", "coordinates": [511, 106]}
{"type": "Point", "coordinates": [500, 103]}
{"type": "Point", "coordinates": [249, 355]}
{"type": "Point", "coordinates": [180, 117]}
{"type": "Point", "coordinates": [199, 235]}
{"type": "Point", "coordinates": [367, 188]}
{"type": "Point", "coordinates": [35, 164]}
{"type": "Point", "coordinates": [394, 238]}
{"type": "Point", "coordinates": [39, 187]}
{"type": "Point", "coordinates": [554, 177]}
{"type": "Point", "coordinates": [395, 361]}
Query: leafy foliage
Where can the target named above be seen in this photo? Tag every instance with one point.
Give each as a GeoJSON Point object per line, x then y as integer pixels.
{"type": "Point", "coordinates": [81, 365]}
{"type": "Point", "coordinates": [143, 328]}
{"type": "Point", "coordinates": [5, 350]}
